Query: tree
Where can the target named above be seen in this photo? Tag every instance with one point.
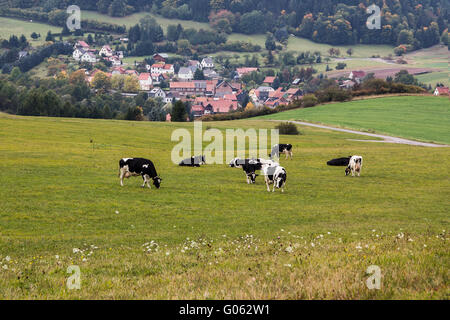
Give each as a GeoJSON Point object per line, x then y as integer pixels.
{"type": "Point", "coordinates": [49, 36]}
{"type": "Point", "coordinates": [77, 77]}
{"type": "Point", "coordinates": [135, 114]}
{"type": "Point", "coordinates": [131, 84]}
{"type": "Point", "coordinates": [90, 40]}
{"type": "Point", "coordinates": [270, 42]}
{"type": "Point", "coordinates": [34, 36]}
{"type": "Point", "coordinates": [178, 113]}
{"type": "Point", "coordinates": [350, 51]}
{"type": "Point", "coordinates": [101, 81]}
{"type": "Point", "coordinates": [198, 75]}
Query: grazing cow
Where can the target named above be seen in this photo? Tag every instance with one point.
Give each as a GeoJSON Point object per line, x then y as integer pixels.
{"type": "Point", "coordinates": [354, 166]}
{"type": "Point", "coordinates": [249, 166]}
{"type": "Point", "coordinates": [193, 161]}
{"type": "Point", "coordinates": [339, 161]}
{"type": "Point", "coordinates": [139, 167]}
{"type": "Point", "coordinates": [281, 148]}
{"type": "Point", "coordinates": [274, 173]}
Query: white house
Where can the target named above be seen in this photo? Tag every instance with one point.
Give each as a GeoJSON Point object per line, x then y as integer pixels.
{"type": "Point", "coordinates": [88, 57]}
{"type": "Point", "coordinates": [77, 53]}
{"type": "Point", "coordinates": [207, 63]}
{"type": "Point", "coordinates": [157, 93]}
{"type": "Point", "coordinates": [115, 61]}
{"type": "Point", "coordinates": [106, 51]}
{"type": "Point", "coordinates": [185, 74]}
{"type": "Point", "coordinates": [145, 81]}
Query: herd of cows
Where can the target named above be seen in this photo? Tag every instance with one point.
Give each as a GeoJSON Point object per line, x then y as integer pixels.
{"type": "Point", "coordinates": [272, 171]}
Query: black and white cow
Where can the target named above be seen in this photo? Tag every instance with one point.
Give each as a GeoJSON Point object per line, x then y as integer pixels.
{"type": "Point", "coordinates": [139, 167]}
{"type": "Point", "coordinates": [250, 166]}
{"type": "Point", "coordinates": [274, 173]}
{"type": "Point", "coordinates": [354, 166]}
{"type": "Point", "coordinates": [281, 148]}
{"type": "Point", "coordinates": [193, 161]}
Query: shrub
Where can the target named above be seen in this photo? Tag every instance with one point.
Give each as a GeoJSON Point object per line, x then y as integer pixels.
{"type": "Point", "coordinates": [309, 100]}
{"type": "Point", "coordinates": [287, 128]}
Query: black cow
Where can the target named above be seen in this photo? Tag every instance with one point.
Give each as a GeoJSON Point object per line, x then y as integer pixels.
{"type": "Point", "coordinates": [193, 161]}
{"type": "Point", "coordinates": [281, 148]}
{"type": "Point", "coordinates": [339, 161]}
{"type": "Point", "coordinates": [139, 167]}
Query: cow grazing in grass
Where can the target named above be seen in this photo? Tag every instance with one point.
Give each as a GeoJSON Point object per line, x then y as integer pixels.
{"type": "Point", "coordinates": [281, 148]}
{"type": "Point", "coordinates": [354, 166]}
{"type": "Point", "coordinates": [274, 173]}
{"type": "Point", "coordinates": [193, 161]}
{"type": "Point", "coordinates": [250, 166]}
{"type": "Point", "coordinates": [339, 161]}
{"type": "Point", "coordinates": [139, 167]}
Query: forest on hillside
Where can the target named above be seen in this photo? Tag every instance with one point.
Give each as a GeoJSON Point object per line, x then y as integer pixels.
{"type": "Point", "coordinates": [413, 24]}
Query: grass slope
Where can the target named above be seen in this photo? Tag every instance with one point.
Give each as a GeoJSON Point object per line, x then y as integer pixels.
{"type": "Point", "coordinates": [17, 27]}
{"type": "Point", "coordinates": [213, 235]}
{"type": "Point", "coordinates": [418, 117]}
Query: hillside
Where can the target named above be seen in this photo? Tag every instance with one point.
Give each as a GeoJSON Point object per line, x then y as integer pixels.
{"type": "Point", "coordinates": [424, 118]}
{"type": "Point", "coordinates": [207, 234]}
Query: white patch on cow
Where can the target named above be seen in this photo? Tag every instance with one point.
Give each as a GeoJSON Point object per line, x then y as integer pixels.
{"type": "Point", "coordinates": [355, 165]}
{"type": "Point", "coordinates": [145, 166]}
{"type": "Point", "coordinates": [126, 159]}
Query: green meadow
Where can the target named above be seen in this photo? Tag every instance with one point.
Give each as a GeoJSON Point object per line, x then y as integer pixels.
{"type": "Point", "coordinates": [207, 234]}
{"type": "Point", "coordinates": [425, 118]}
{"type": "Point", "coordinates": [9, 27]}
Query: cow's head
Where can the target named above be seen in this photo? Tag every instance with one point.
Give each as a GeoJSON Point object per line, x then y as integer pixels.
{"type": "Point", "coordinates": [157, 182]}
{"type": "Point", "coordinates": [347, 171]}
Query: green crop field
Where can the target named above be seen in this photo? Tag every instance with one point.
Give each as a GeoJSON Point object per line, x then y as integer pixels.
{"type": "Point", "coordinates": [424, 118]}
{"type": "Point", "coordinates": [17, 27]}
{"type": "Point", "coordinates": [207, 234]}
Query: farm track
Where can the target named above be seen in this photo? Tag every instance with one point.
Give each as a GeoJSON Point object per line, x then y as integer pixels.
{"type": "Point", "coordinates": [386, 139]}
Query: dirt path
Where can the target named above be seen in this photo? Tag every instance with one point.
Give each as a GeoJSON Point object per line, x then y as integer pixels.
{"type": "Point", "coordinates": [386, 139]}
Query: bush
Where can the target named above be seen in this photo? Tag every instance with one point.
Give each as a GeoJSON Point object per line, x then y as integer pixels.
{"type": "Point", "coordinates": [287, 128]}
{"type": "Point", "coordinates": [309, 100]}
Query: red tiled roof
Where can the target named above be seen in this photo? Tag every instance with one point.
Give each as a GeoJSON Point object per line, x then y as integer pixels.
{"type": "Point", "coordinates": [442, 90]}
{"type": "Point", "coordinates": [242, 71]}
{"type": "Point", "coordinates": [182, 84]}
{"type": "Point", "coordinates": [144, 76]}
{"type": "Point", "coordinates": [197, 108]}
{"type": "Point", "coordinates": [83, 44]}
{"type": "Point", "coordinates": [358, 74]}
{"type": "Point", "coordinates": [230, 97]}
{"type": "Point", "coordinates": [269, 80]}
{"type": "Point", "coordinates": [222, 106]}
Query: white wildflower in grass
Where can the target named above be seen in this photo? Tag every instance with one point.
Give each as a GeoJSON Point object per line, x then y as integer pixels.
{"type": "Point", "coordinates": [167, 253]}
{"type": "Point", "coordinates": [328, 232]}
{"type": "Point", "coordinates": [312, 244]}
{"type": "Point", "coordinates": [182, 251]}
{"type": "Point", "coordinates": [57, 257]}
{"type": "Point", "coordinates": [410, 240]}
{"type": "Point", "coordinates": [373, 230]}
{"type": "Point", "coordinates": [117, 212]}
{"type": "Point", "coordinates": [76, 250]}
{"type": "Point", "coordinates": [5, 267]}
{"type": "Point", "coordinates": [359, 246]}
{"type": "Point", "coordinates": [84, 260]}
{"type": "Point", "coordinates": [424, 245]}
{"type": "Point", "coordinates": [289, 249]}
{"type": "Point", "coordinates": [8, 258]}
{"type": "Point", "coordinates": [288, 265]}
{"type": "Point", "coordinates": [400, 235]}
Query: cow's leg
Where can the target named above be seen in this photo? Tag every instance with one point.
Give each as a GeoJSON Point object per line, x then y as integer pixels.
{"type": "Point", "coordinates": [122, 173]}
{"type": "Point", "coordinates": [267, 184]}
{"type": "Point", "coordinates": [290, 153]}
{"type": "Point", "coordinates": [146, 181]}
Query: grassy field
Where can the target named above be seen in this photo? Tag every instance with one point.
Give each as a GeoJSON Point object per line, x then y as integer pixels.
{"type": "Point", "coordinates": [424, 118]}
{"type": "Point", "coordinates": [206, 234]}
{"type": "Point", "coordinates": [9, 27]}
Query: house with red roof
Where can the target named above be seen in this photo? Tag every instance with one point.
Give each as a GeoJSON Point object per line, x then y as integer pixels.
{"type": "Point", "coordinates": [243, 71]}
{"type": "Point", "coordinates": [357, 76]}
{"type": "Point", "coordinates": [441, 91]}
{"type": "Point", "coordinates": [145, 81]}
{"type": "Point", "coordinates": [269, 80]}
{"type": "Point", "coordinates": [81, 45]}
